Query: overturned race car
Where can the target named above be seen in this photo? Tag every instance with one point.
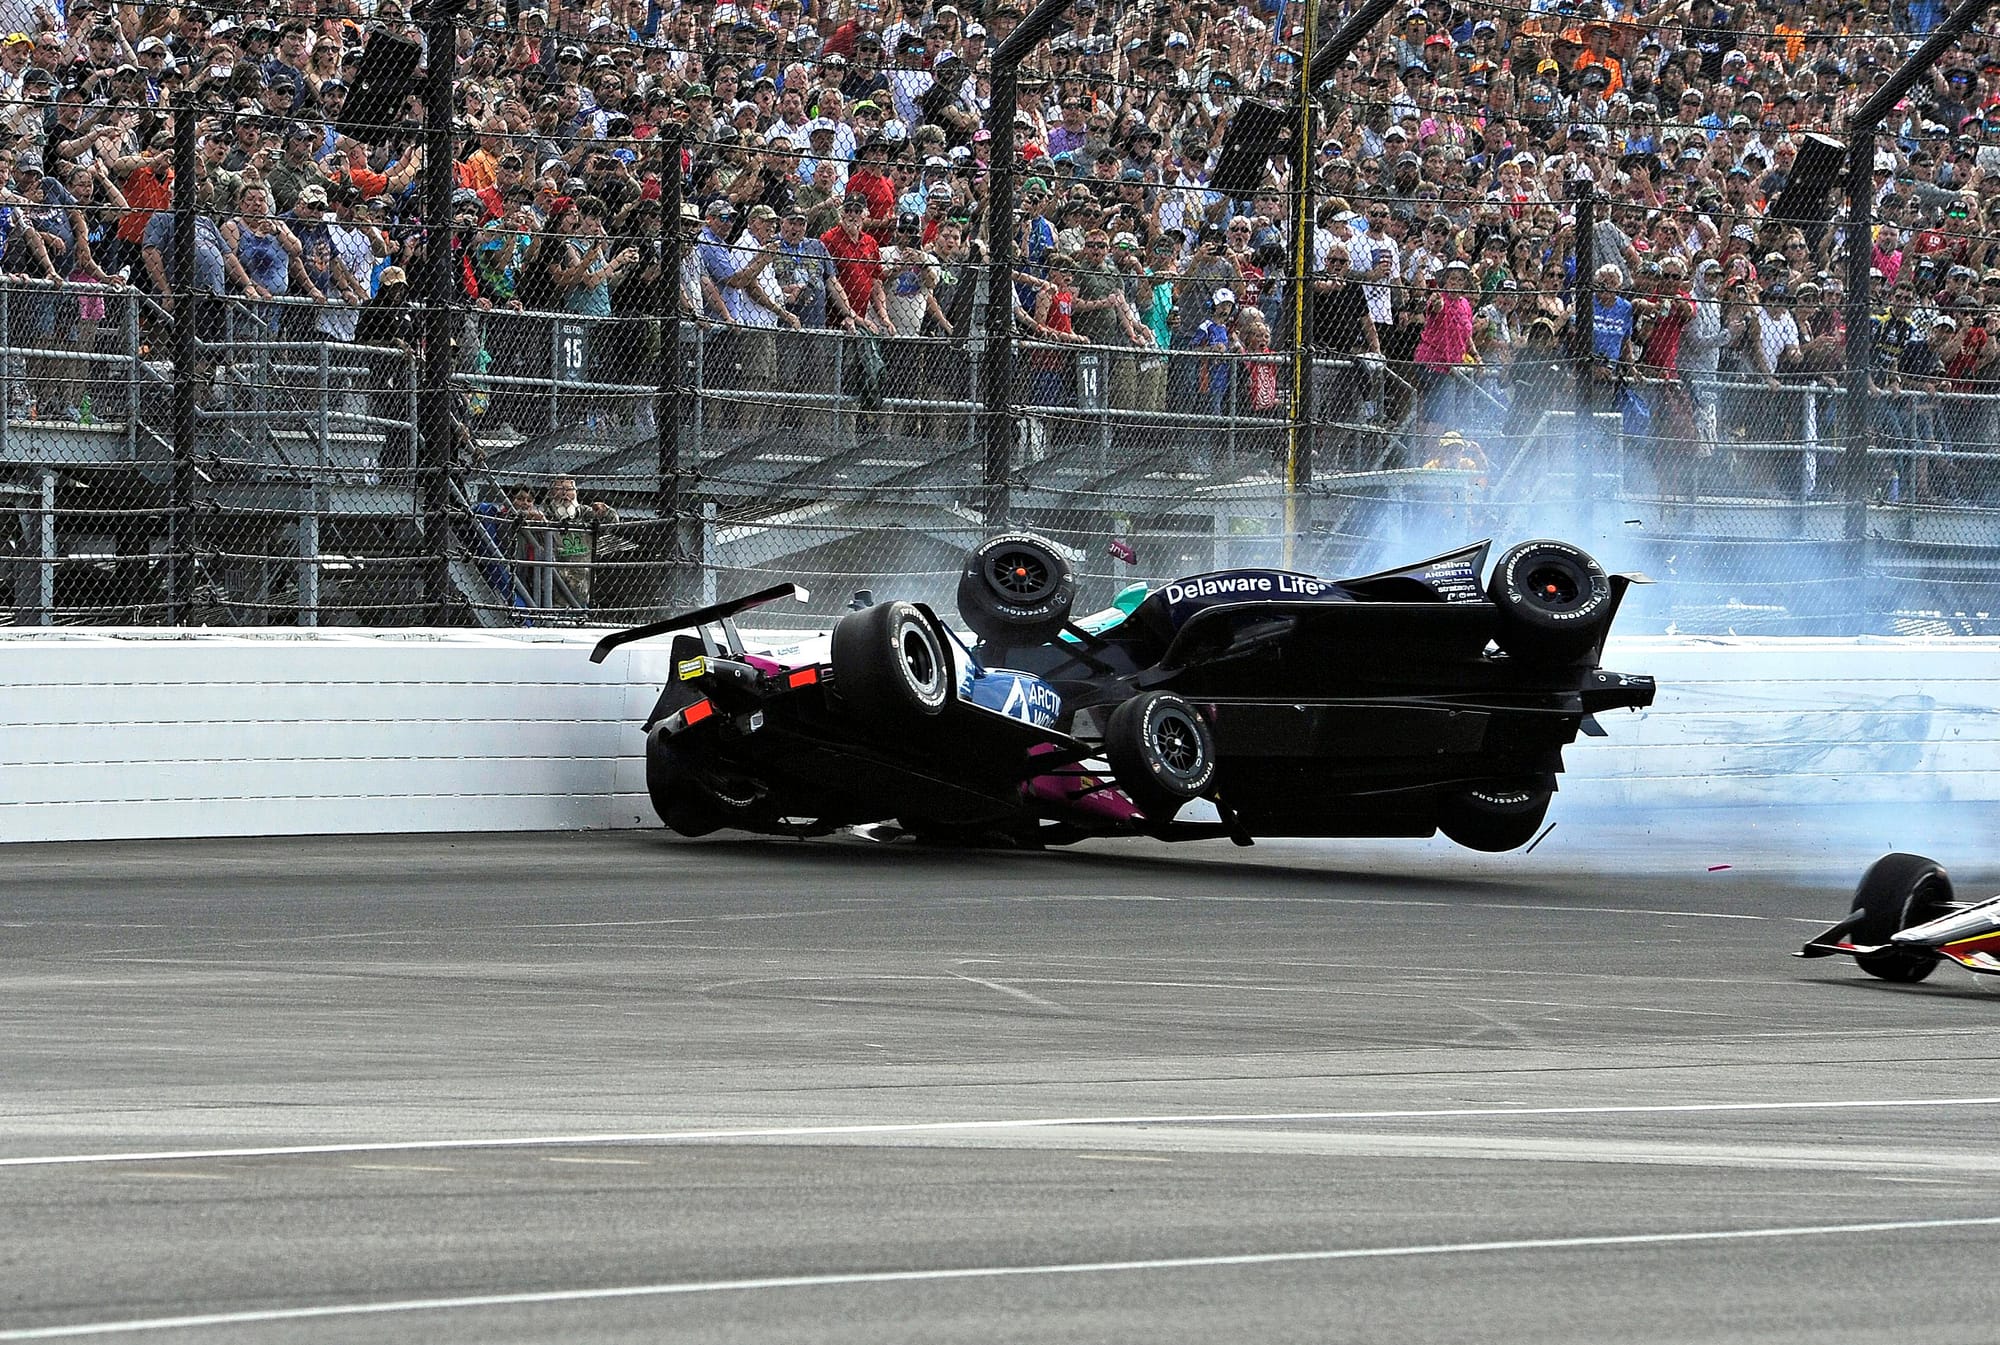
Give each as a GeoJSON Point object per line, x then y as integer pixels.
{"type": "Point", "coordinates": [1238, 703]}
{"type": "Point", "coordinates": [1905, 921]}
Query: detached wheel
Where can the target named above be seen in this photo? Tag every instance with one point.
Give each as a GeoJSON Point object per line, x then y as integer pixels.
{"type": "Point", "coordinates": [1554, 601]}
{"type": "Point", "coordinates": [890, 666]}
{"type": "Point", "coordinates": [1497, 817]}
{"type": "Point", "coordinates": [1899, 891]}
{"type": "Point", "coordinates": [1016, 589]}
{"type": "Point", "coordinates": [1161, 751]}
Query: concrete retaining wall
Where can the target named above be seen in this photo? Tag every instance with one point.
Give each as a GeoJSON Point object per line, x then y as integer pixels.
{"type": "Point", "coordinates": [150, 733]}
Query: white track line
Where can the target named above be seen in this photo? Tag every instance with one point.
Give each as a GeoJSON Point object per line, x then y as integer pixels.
{"type": "Point", "coordinates": [965, 1127]}
{"type": "Point", "coordinates": [254, 1317]}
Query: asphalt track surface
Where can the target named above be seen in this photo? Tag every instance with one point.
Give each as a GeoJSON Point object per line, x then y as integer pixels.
{"type": "Point", "coordinates": [621, 1088]}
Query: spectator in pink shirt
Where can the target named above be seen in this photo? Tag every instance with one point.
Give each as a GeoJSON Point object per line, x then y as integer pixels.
{"type": "Point", "coordinates": [1443, 345]}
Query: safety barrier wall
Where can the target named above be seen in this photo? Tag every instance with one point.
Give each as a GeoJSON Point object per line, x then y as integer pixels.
{"type": "Point", "coordinates": [1783, 722]}
{"type": "Point", "coordinates": [155, 733]}
{"type": "Point", "coordinates": [138, 733]}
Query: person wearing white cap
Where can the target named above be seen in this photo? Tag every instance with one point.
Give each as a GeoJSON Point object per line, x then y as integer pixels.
{"type": "Point", "coordinates": [1700, 354]}
{"type": "Point", "coordinates": [1777, 351]}
{"type": "Point", "coordinates": [827, 141]}
{"type": "Point", "coordinates": [953, 102]}
{"type": "Point", "coordinates": [1205, 274]}
{"type": "Point", "coordinates": [936, 172]}
{"type": "Point", "coordinates": [1375, 258]}
{"type": "Point", "coordinates": [1214, 335]}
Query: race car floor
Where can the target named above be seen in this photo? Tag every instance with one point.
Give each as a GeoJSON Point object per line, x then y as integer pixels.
{"type": "Point", "coordinates": [615, 1087]}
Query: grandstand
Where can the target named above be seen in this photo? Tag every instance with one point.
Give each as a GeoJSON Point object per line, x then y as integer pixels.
{"type": "Point", "coordinates": [1568, 268]}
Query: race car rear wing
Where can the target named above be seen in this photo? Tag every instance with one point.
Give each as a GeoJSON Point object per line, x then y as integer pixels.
{"type": "Point", "coordinates": [718, 632]}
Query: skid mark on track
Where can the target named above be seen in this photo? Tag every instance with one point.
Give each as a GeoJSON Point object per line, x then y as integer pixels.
{"type": "Point", "coordinates": [746, 1134]}
{"type": "Point", "coordinates": [1015, 992]}
{"type": "Point", "coordinates": [1469, 904]}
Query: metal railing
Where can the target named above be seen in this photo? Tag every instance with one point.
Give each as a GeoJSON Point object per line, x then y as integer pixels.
{"type": "Point", "coordinates": [859, 458]}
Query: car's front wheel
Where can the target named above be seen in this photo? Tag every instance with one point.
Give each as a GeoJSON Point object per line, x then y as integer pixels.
{"type": "Point", "coordinates": [1898, 891]}
{"type": "Point", "coordinates": [1162, 752]}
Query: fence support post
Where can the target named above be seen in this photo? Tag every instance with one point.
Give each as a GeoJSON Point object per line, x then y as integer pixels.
{"type": "Point", "coordinates": [434, 440]}
{"type": "Point", "coordinates": [1583, 318]}
{"type": "Point", "coordinates": [45, 543]}
{"type": "Point", "coordinates": [1860, 349]}
{"type": "Point", "coordinates": [998, 371]}
{"type": "Point", "coordinates": [181, 528]}
{"type": "Point", "coordinates": [6, 373]}
{"type": "Point", "coordinates": [307, 573]}
{"type": "Point", "coordinates": [665, 545]}
{"type": "Point", "coordinates": [129, 324]}
{"type": "Point", "coordinates": [1299, 446]}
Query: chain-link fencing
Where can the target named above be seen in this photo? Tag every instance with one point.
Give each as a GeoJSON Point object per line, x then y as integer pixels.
{"type": "Point", "coordinates": [670, 346]}
{"type": "Point", "coordinates": [852, 461]}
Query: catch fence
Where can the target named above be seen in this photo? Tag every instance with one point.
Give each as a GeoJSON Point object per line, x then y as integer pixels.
{"type": "Point", "coordinates": [852, 461]}
{"type": "Point", "coordinates": [610, 315]}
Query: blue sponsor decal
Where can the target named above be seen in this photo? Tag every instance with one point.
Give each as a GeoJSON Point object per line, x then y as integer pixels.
{"type": "Point", "coordinates": [1017, 695]}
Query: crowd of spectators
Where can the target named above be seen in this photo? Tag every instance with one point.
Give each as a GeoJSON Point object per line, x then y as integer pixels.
{"type": "Point", "coordinates": [835, 169]}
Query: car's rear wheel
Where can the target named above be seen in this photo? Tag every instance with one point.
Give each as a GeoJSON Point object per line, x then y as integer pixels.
{"type": "Point", "coordinates": [1162, 752]}
{"type": "Point", "coordinates": [890, 666]}
{"type": "Point", "coordinates": [679, 800]}
{"type": "Point", "coordinates": [1016, 589]}
{"type": "Point", "coordinates": [1499, 816]}
{"type": "Point", "coordinates": [1898, 891]}
{"type": "Point", "coordinates": [1554, 602]}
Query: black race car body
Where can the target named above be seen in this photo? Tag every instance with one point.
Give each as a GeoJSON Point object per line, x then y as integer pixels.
{"type": "Point", "coordinates": [1905, 921]}
{"type": "Point", "coordinates": [1394, 704]}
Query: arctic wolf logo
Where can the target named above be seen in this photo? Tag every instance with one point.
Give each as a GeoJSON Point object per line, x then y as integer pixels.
{"type": "Point", "coordinates": [1031, 700]}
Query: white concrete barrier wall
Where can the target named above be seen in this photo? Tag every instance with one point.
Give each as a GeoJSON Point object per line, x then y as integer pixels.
{"type": "Point", "coordinates": [1798, 722]}
{"type": "Point", "coordinates": [152, 733]}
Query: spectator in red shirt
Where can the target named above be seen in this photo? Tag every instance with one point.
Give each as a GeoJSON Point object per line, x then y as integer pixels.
{"type": "Point", "coordinates": [869, 183]}
{"type": "Point", "coordinates": [857, 265]}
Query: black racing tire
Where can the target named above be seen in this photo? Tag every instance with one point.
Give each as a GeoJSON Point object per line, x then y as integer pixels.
{"type": "Point", "coordinates": [1554, 602]}
{"type": "Point", "coordinates": [1016, 590]}
{"type": "Point", "coordinates": [1162, 752]}
{"type": "Point", "coordinates": [678, 798]}
{"type": "Point", "coordinates": [890, 666]}
{"type": "Point", "coordinates": [1497, 816]}
{"type": "Point", "coordinates": [1898, 891]}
